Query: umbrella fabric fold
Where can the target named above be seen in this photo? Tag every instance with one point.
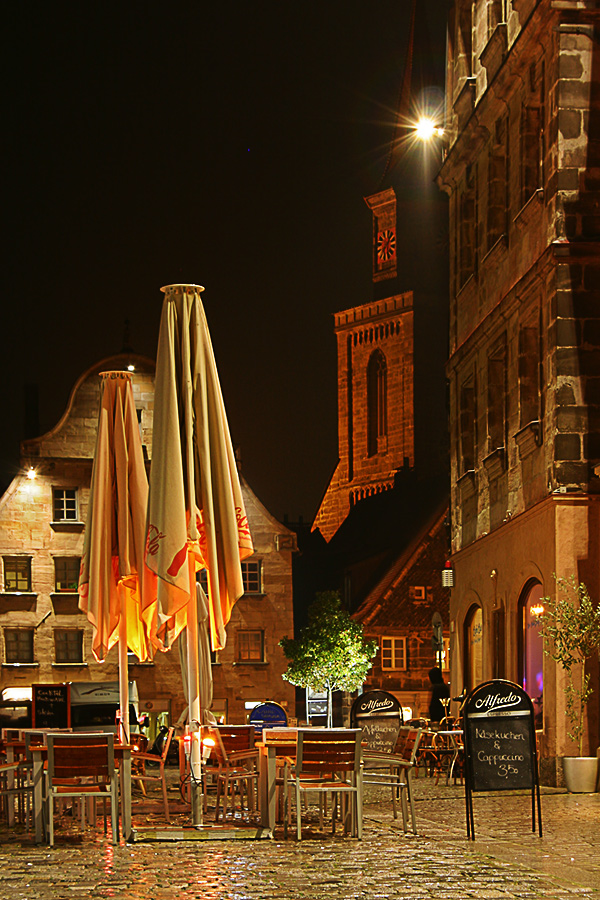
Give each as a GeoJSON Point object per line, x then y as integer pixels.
{"type": "Point", "coordinates": [110, 579]}
{"type": "Point", "coordinates": [196, 514]}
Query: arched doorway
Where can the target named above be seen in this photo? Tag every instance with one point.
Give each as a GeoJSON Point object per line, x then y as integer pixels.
{"type": "Point", "coordinates": [531, 647]}
{"type": "Point", "coordinates": [473, 648]}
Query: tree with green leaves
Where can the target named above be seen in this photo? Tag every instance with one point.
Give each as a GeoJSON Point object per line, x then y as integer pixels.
{"type": "Point", "coordinates": [570, 625]}
{"type": "Point", "coordinates": [331, 653]}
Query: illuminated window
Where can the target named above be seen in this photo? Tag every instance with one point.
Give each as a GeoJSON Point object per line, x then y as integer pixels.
{"type": "Point", "coordinates": [252, 575]}
{"type": "Point", "coordinates": [17, 573]}
{"type": "Point", "coordinates": [531, 663]}
{"type": "Point", "coordinates": [66, 574]}
{"type": "Point", "coordinates": [18, 645]}
{"type": "Point", "coordinates": [393, 653]}
{"type": "Point", "coordinates": [68, 645]}
{"type": "Point", "coordinates": [64, 505]}
{"type": "Point", "coordinates": [251, 646]}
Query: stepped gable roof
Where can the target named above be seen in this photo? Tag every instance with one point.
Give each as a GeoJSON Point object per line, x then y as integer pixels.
{"type": "Point", "coordinates": [379, 529]}
{"type": "Point", "coordinates": [389, 601]}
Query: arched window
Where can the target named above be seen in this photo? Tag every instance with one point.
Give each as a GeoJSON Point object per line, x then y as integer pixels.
{"type": "Point", "coordinates": [473, 648]}
{"type": "Point", "coordinates": [376, 402]}
{"type": "Point", "coordinates": [531, 647]}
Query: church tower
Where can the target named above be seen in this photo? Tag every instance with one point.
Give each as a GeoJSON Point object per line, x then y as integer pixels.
{"type": "Point", "coordinates": [375, 381]}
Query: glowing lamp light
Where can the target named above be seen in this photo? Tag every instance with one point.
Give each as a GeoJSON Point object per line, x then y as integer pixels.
{"type": "Point", "coordinates": [536, 610]}
{"type": "Point", "coordinates": [187, 744]}
{"type": "Point", "coordinates": [207, 746]}
{"type": "Point", "coordinates": [31, 473]}
{"type": "Point", "coordinates": [426, 129]}
{"type": "Point", "coordinates": [131, 367]}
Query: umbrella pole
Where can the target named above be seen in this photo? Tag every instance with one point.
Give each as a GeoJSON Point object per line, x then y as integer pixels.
{"type": "Point", "coordinates": [123, 670]}
{"type": "Point", "coordinates": [194, 720]}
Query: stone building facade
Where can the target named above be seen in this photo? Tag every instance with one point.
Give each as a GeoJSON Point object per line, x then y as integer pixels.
{"type": "Point", "coordinates": [44, 636]}
{"type": "Point", "coordinates": [521, 169]}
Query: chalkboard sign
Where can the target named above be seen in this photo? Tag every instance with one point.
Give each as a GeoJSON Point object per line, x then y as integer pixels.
{"type": "Point", "coordinates": [379, 715]}
{"type": "Point", "coordinates": [51, 706]}
{"type": "Point", "coordinates": [268, 715]}
{"type": "Point", "coordinates": [499, 738]}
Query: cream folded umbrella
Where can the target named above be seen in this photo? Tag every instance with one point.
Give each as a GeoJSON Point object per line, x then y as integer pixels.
{"type": "Point", "coordinates": [196, 515]}
{"type": "Point", "coordinates": [111, 580]}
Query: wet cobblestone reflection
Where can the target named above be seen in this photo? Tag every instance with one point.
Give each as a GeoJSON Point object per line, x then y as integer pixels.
{"type": "Point", "coordinates": [506, 861]}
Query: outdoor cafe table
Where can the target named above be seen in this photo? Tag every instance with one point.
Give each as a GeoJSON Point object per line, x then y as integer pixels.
{"type": "Point", "coordinates": [39, 755]}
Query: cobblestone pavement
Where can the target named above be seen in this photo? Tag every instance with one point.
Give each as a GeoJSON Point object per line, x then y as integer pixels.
{"type": "Point", "coordinates": [506, 860]}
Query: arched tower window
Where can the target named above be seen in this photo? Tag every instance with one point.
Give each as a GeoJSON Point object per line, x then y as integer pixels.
{"type": "Point", "coordinates": [376, 403]}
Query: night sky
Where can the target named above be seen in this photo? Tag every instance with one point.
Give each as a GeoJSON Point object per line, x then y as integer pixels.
{"type": "Point", "coordinates": [228, 144]}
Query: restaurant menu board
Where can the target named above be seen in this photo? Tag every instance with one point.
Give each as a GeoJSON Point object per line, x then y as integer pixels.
{"type": "Point", "coordinates": [379, 715]}
{"type": "Point", "coordinates": [51, 706]}
{"type": "Point", "coordinates": [499, 739]}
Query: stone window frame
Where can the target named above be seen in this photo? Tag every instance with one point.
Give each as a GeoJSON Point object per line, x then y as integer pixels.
{"type": "Point", "coordinates": [467, 227]}
{"type": "Point", "coordinates": [497, 394]}
{"type": "Point", "coordinates": [65, 508]}
{"type": "Point", "coordinates": [252, 575]}
{"type": "Point", "coordinates": [67, 577]}
{"type": "Point", "coordinates": [532, 135]}
{"type": "Point", "coordinates": [20, 581]}
{"type": "Point", "coordinates": [496, 225]}
{"type": "Point", "coordinates": [530, 378]}
{"type": "Point", "coordinates": [250, 645]}
{"type": "Point", "coordinates": [394, 655]}
{"type": "Point", "coordinates": [467, 424]}
{"type": "Point", "coordinates": [73, 650]}
{"type": "Point", "coordinates": [24, 646]}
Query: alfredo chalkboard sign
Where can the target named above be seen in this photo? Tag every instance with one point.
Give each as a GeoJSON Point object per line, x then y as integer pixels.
{"type": "Point", "coordinates": [500, 748]}
{"type": "Point", "coordinates": [51, 706]}
{"type": "Point", "coordinates": [379, 715]}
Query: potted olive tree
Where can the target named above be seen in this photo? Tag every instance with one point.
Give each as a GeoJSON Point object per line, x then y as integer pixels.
{"type": "Point", "coordinates": [570, 625]}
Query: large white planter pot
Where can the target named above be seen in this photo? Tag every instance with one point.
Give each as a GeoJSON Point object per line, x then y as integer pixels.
{"type": "Point", "coordinates": [581, 774]}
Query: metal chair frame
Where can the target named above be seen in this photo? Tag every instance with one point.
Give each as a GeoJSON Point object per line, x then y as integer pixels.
{"type": "Point", "coordinates": [395, 770]}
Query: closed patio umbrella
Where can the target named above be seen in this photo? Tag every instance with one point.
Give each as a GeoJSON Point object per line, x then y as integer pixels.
{"type": "Point", "coordinates": [112, 566]}
{"type": "Point", "coordinates": [196, 514]}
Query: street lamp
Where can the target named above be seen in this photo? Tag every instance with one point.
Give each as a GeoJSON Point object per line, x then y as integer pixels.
{"type": "Point", "coordinates": [426, 129]}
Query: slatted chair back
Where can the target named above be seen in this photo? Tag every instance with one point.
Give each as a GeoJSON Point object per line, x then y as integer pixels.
{"type": "Point", "coordinates": [327, 751]}
{"type": "Point", "coordinates": [237, 737]}
{"type": "Point", "coordinates": [284, 740]}
{"type": "Point", "coordinates": [407, 745]}
{"type": "Point", "coordinates": [81, 756]}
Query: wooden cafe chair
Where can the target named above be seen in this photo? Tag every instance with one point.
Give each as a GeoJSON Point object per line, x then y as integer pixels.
{"type": "Point", "coordinates": [141, 773]}
{"type": "Point", "coordinates": [81, 766]}
{"type": "Point", "coordinates": [237, 767]}
{"type": "Point", "coordinates": [328, 761]}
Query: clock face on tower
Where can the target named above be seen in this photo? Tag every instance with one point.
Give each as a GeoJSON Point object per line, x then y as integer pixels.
{"type": "Point", "coordinates": [386, 246]}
